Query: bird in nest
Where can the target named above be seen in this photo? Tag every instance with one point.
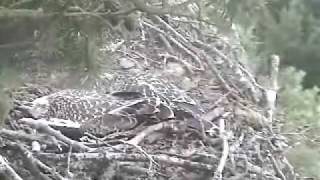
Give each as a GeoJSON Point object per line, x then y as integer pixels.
{"type": "Point", "coordinates": [96, 113]}
{"type": "Point", "coordinates": [126, 84]}
{"type": "Point", "coordinates": [130, 101]}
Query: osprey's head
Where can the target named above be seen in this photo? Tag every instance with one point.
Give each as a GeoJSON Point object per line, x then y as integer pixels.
{"type": "Point", "coordinates": [40, 107]}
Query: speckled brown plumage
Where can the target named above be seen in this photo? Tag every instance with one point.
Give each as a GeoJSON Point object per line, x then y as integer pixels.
{"type": "Point", "coordinates": [132, 99]}
{"type": "Point", "coordinates": [147, 85]}
{"type": "Point", "coordinates": [95, 112]}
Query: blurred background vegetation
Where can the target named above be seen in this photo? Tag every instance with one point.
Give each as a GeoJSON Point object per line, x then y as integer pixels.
{"type": "Point", "coordinates": [41, 30]}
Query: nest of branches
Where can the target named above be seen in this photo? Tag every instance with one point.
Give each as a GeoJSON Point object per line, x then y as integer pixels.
{"type": "Point", "coordinates": [243, 141]}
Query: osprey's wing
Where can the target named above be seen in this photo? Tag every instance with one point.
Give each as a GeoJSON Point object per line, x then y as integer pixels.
{"type": "Point", "coordinates": [146, 85]}
{"type": "Point", "coordinates": [99, 113]}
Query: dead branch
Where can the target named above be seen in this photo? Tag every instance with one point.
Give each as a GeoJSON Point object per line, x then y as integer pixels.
{"type": "Point", "coordinates": [271, 92]}
{"type": "Point", "coordinates": [7, 171]}
{"type": "Point", "coordinates": [225, 151]}
{"type": "Point", "coordinates": [220, 146]}
{"type": "Point", "coordinates": [187, 65]}
{"type": "Point", "coordinates": [166, 43]}
{"type": "Point", "coordinates": [17, 44]}
{"type": "Point", "coordinates": [184, 40]}
{"type": "Point", "coordinates": [133, 169]}
{"type": "Point", "coordinates": [193, 55]}
{"type": "Point", "coordinates": [20, 135]}
{"type": "Point", "coordinates": [30, 163]}
{"type": "Point", "coordinates": [253, 118]}
{"type": "Point", "coordinates": [39, 13]}
{"type": "Point", "coordinates": [128, 157]}
{"type": "Point", "coordinates": [277, 168]}
{"type": "Point", "coordinates": [33, 164]}
{"type": "Point", "coordinates": [176, 42]}
{"type": "Point", "coordinates": [41, 126]}
{"type": "Point", "coordinates": [151, 129]}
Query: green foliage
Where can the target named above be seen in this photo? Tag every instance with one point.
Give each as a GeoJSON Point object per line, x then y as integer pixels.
{"type": "Point", "coordinates": [66, 31]}
{"type": "Point", "coordinates": [5, 106]}
{"type": "Point", "coordinates": [301, 106]}
{"type": "Point", "coordinates": [64, 42]}
{"type": "Point", "coordinates": [301, 123]}
{"type": "Point", "coordinates": [276, 36]}
{"type": "Point", "coordinates": [290, 28]}
{"type": "Point", "coordinates": [306, 160]}
{"type": "Point", "coordinates": [8, 79]}
{"type": "Point", "coordinates": [225, 12]}
{"type": "Point", "coordinates": [287, 28]}
{"type": "Point", "coordinates": [292, 31]}
{"type": "Point", "coordinates": [67, 39]}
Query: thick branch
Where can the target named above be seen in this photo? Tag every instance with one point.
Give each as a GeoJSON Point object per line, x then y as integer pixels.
{"type": "Point", "coordinates": [21, 13]}
{"type": "Point", "coordinates": [19, 135]}
{"type": "Point", "coordinates": [32, 13]}
{"type": "Point", "coordinates": [129, 157]}
{"type": "Point", "coordinates": [44, 127]}
{"type": "Point", "coordinates": [7, 170]}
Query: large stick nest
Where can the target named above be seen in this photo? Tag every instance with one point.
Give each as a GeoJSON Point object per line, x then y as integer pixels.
{"type": "Point", "coordinates": [241, 143]}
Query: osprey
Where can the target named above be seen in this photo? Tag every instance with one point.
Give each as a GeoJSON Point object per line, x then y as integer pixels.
{"type": "Point", "coordinates": [97, 113]}
{"type": "Point", "coordinates": [147, 85]}
{"type": "Point", "coordinates": [130, 100]}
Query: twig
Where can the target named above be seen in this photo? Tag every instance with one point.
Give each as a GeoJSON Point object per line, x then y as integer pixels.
{"type": "Point", "coordinates": [41, 126]}
{"type": "Point", "coordinates": [37, 162]}
{"type": "Point", "coordinates": [237, 177]}
{"type": "Point", "coordinates": [71, 11]}
{"type": "Point", "coordinates": [225, 152]}
{"type": "Point", "coordinates": [143, 31]}
{"type": "Point", "coordinates": [133, 169]}
{"type": "Point", "coordinates": [251, 77]}
{"type": "Point", "coordinates": [215, 70]}
{"type": "Point", "coordinates": [193, 55]}
{"type": "Point", "coordinates": [20, 135]}
{"type": "Point", "coordinates": [7, 170]}
{"type": "Point", "coordinates": [34, 161]}
{"type": "Point", "coordinates": [186, 64]}
{"type": "Point", "coordinates": [166, 43]}
{"type": "Point", "coordinates": [271, 92]}
{"type": "Point", "coordinates": [48, 169]}
{"type": "Point", "coordinates": [290, 170]}
{"type": "Point", "coordinates": [151, 129]}
{"type": "Point", "coordinates": [17, 44]}
{"type": "Point", "coordinates": [30, 163]}
{"type": "Point", "coordinates": [69, 160]}
{"type": "Point", "coordinates": [216, 52]}
{"type": "Point", "coordinates": [252, 117]}
{"type": "Point", "coordinates": [145, 153]}
{"type": "Point", "coordinates": [258, 170]}
{"type": "Point", "coordinates": [171, 29]}
{"type": "Point", "coordinates": [277, 168]}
